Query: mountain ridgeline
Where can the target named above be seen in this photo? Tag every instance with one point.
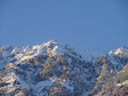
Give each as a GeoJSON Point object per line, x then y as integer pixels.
{"type": "Point", "coordinates": [50, 69]}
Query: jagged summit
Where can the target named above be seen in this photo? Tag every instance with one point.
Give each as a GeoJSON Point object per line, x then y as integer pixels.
{"type": "Point", "coordinates": [119, 51]}
{"type": "Point", "coordinates": [40, 67]}
{"type": "Point", "coordinates": [45, 47]}
{"type": "Point", "coordinates": [51, 43]}
{"type": "Point", "coordinates": [51, 69]}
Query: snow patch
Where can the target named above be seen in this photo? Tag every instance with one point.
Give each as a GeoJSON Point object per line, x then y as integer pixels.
{"type": "Point", "coordinates": [123, 83]}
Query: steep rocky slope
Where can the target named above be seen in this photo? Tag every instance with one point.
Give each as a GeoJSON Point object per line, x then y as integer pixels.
{"type": "Point", "coordinates": [51, 69]}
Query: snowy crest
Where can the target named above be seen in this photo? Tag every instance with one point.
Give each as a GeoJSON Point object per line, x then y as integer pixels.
{"type": "Point", "coordinates": [119, 51]}
{"type": "Point", "coordinates": [50, 69]}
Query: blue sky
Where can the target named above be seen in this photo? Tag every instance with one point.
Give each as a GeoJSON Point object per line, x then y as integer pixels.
{"type": "Point", "coordinates": [97, 25]}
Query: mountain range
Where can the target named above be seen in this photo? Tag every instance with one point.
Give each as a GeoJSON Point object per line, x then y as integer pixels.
{"type": "Point", "coordinates": [51, 69]}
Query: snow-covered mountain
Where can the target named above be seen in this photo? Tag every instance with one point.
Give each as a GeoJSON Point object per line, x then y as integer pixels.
{"type": "Point", "coordinates": [50, 69]}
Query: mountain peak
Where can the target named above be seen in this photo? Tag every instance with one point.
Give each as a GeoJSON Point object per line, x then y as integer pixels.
{"type": "Point", "coordinates": [50, 69]}
{"type": "Point", "coordinates": [119, 51]}
{"type": "Point", "coordinates": [51, 43]}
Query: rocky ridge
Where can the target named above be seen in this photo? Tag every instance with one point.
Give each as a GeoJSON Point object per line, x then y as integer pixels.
{"type": "Point", "coordinates": [50, 69]}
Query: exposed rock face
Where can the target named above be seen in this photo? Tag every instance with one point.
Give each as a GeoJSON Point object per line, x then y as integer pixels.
{"type": "Point", "coordinates": [51, 69]}
{"type": "Point", "coordinates": [60, 91]}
